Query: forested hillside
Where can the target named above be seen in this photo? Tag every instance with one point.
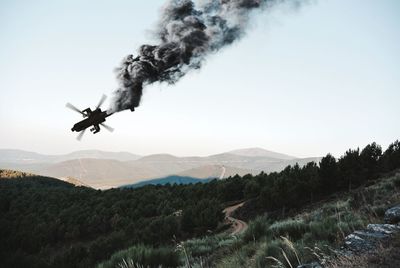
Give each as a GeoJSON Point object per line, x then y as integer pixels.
{"type": "Point", "coordinates": [45, 222]}
{"type": "Point", "coordinates": [48, 223]}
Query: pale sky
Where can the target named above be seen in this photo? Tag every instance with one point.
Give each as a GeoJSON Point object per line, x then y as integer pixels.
{"type": "Point", "coordinates": [321, 79]}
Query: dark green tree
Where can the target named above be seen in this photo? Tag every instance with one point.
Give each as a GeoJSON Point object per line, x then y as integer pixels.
{"type": "Point", "coordinates": [370, 157]}
{"type": "Point", "coordinates": [328, 174]}
{"type": "Point", "coordinates": [390, 159]}
{"type": "Point", "coordinates": [350, 169]}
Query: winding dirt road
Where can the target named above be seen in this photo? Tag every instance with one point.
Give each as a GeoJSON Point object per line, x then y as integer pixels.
{"type": "Point", "coordinates": [222, 173]}
{"type": "Point", "coordinates": [239, 226]}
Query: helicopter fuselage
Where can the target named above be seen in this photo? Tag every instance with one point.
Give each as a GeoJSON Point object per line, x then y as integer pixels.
{"type": "Point", "coordinates": [94, 118]}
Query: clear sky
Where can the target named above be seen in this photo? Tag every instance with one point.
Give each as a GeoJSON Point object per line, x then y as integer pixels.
{"type": "Point", "coordinates": [322, 79]}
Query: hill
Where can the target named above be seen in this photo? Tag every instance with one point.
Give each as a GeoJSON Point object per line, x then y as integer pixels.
{"type": "Point", "coordinates": [342, 230]}
{"type": "Point", "coordinates": [45, 222]}
{"type": "Point", "coordinates": [106, 173]}
{"type": "Point", "coordinates": [106, 169]}
{"type": "Point", "coordinates": [49, 223]}
{"type": "Point", "coordinates": [20, 157]}
{"type": "Point", "coordinates": [260, 152]}
{"type": "Point", "coordinates": [23, 179]}
{"type": "Point", "coordinates": [13, 174]}
{"type": "Point", "coordinates": [304, 215]}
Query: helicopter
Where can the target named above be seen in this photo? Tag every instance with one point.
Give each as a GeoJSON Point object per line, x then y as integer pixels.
{"type": "Point", "coordinates": [93, 119]}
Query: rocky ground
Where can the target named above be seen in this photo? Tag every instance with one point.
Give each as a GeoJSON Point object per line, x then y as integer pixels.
{"type": "Point", "coordinates": [369, 239]}
{"type": "Point", "coordinates": [376, 246]}
{"type": "Point", "coordinates": [386, 255]}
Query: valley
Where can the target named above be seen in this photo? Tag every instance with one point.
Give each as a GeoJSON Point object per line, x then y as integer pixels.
{"type": "Point", "coordinates": [104, 170]}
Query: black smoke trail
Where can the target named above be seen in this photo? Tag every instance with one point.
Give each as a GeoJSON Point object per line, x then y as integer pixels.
{"type": "Point", "coordinates": [187, 34]}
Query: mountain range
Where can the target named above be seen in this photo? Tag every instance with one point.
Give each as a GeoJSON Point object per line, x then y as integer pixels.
{"type": "Point", "coordinates": [100, 169]}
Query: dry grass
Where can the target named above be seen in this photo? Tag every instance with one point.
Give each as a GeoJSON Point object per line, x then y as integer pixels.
{"type": "Point", "coordinates": [387, 255]}
{"type": "Point", "coordinates": [382, 257]}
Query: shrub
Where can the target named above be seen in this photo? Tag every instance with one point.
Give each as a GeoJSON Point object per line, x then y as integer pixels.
{"type": "Point", "coordinates": [268, 249]}
{"type": "Point", "coordinates": [325, 230]}
{"type": "Point", "coordinates": [289, 228]}
{"type": "Point", "coordinates": [396, 181]}
{"type": "Point", "coordinates": [388, 186]}
{"type": "Point", "coordinates": [144, 256]}
{"type": "Point", "coordinates": [257, 229]}
{"type": "Point", "coordinates": [233, 261]}
{"type": "Point", "coordinates": [379, 210]}
{"type": "Point", "coordinates": [317, 230]}
{"type": "Point", "coordinates": [207, 245]}
{"type": "Point", "coordinates": [278, 251]}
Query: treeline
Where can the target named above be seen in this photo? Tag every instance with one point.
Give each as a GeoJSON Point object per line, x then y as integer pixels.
{"type": "Point", "coordinates": [296, 186]}
{"type": "Point", "coordinates": [48, 223]}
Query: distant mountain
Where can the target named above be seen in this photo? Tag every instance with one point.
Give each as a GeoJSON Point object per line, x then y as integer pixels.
{"type": "Point", "coordinates": [170, 179]}
{"type": "Point", "coordinates": [21, 157]}
{"type": "Point", "coordinates": [98, 173]}
{"type": "Point", "coordinates": [120, 156]}
{"type": "Point", "coordinates": [259, 152]}
{"type": "Point", "coordinates": [158, 158]}
{"type": "Point", "coordinates": [99, 169]}
{"type": "Point", "coordinates": [26, 157]}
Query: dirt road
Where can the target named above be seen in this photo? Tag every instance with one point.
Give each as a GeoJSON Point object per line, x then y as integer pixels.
{"type": "Point", "coordinates": [238, 225]}
{"type": "Point", "coordinates": [222, 173]}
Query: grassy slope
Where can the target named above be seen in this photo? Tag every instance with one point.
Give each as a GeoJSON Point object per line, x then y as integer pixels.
{"type": "Point", "coordinates": [317, 230]}
{"type": "Point", "coordinates": [311, 235]}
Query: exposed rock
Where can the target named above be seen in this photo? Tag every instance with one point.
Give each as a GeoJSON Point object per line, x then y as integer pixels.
{"type": "Point", "coordinates": [384, 228]}
{"type": "Point", "coordinates": [366, 240]}
{"type": "Point", "coordinates": [357, 244]}
{"type": "Point", "coordinates": [370, 235]}
{"type": "Point", "coordinates": [310, 265]}
{"type": "Point", "coordinates": [392, 215]}
{"type": "Point", "coordinates": [362, 241]}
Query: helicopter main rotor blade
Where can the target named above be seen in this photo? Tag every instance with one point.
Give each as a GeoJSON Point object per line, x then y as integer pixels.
{"type": "Point", "coordinates": [79, 137]}
{"type": "Point", "coordinates": [73, 108]}
{"type": "Point", "coordinates": [107, 127]}
{"type": "Point", "coordinates": [103, 98]}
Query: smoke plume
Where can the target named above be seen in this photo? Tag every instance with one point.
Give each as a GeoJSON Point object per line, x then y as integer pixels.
{"type": "Point", "coordinates": [187, 34]}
